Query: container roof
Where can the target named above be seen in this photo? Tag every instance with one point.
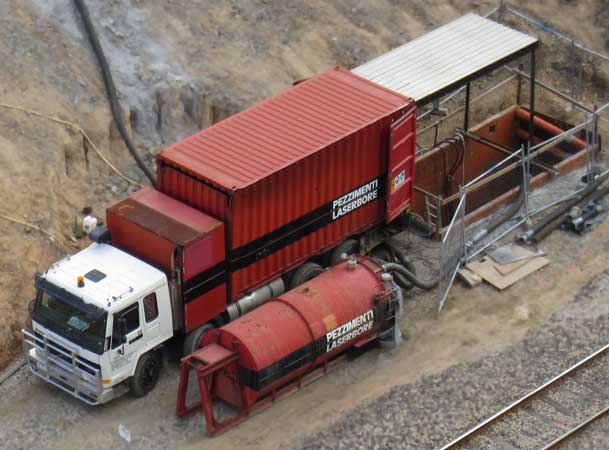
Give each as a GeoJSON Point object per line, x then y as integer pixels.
{"type": "Point", "coordinates": [439, 61]}
{"type": "Point", "coordinates": [164, 216]}
{"type": "Point", "coordinates": [277, 132]}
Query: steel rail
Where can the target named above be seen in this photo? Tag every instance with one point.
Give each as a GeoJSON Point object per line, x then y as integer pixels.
{"type": "Point", "coordinates": [463, 438]}
{"type": "Point", "coordinates": [576, 429]}
{"type": "Point", "coordinates": [484, 181]}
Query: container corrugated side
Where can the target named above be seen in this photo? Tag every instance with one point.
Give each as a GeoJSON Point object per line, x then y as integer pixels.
{"type": "Point", "coordinates": [291, 204]}
{"type": "Point", "coordinates": [193, 192]}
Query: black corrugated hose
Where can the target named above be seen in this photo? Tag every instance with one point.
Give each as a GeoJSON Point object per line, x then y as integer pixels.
{"type": "Point", "coordinates": [400, 269]}
{"type": "Point", "coordinates": [117, 113]}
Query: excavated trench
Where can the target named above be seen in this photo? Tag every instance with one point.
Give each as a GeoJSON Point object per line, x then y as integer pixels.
{"type": "Point", "coordinates": [448, 165]}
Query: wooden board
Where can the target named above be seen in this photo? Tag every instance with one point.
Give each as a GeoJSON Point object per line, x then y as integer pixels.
{"type": "Point", "coordinates": [487, 270]}
{"type": "Point", "coordinates": [511, 253]}
{"type": "Point", "coordinates": [470, 278]}
{"type": "Point", "coordinates": [506, 269]}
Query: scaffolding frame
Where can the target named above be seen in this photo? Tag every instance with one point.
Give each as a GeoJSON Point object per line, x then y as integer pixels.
{"type": "Point", "coordinates": [524, 157]}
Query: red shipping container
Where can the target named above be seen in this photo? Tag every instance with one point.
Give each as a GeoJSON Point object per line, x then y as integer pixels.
{"type": "Point", "coordinates": [182, 242]}
{"type": "Point", "coordinates": [296, 174]}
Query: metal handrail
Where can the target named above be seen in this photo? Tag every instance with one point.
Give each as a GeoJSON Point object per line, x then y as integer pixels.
{"type": "Point", "coordinates": [545, 145]}
{"type": "Point", "coordinates": [551, 30]}
{"type": "Point", "coordinates": [539, 149]}
{"type": "Point", "coordinates": [500, 163]}
{"type": "Point", "coordinates": [461, 108]}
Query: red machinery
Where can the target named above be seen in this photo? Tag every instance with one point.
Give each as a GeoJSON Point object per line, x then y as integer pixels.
{"type": "Point", "coordinates": [245, 202]}
{"type": "Point", "coordinates": [295, 175]}
{"type": "Point", "coordinates": [290, 340]}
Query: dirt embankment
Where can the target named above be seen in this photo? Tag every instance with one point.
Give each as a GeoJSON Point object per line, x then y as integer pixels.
{"type": "Point", "coordinates": [179, 66]}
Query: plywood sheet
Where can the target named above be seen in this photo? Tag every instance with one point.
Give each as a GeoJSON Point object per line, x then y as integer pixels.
{"type": "Point", "coordinates": [513, 252]}
{"type": "Point", "coordinates": [487, 269]}
{"type": "Point", "coordinates": [506, 269]}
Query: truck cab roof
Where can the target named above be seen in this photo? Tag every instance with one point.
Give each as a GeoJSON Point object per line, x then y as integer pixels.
{"type": "Point", "coordinates": [112, 278]}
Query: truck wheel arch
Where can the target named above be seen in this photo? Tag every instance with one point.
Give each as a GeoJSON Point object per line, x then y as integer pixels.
{"type": "Point", "coordinates": [146, 374]}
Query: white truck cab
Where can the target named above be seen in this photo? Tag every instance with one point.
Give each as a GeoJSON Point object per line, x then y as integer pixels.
{"type": "Point", "coordinates": [98, 318]}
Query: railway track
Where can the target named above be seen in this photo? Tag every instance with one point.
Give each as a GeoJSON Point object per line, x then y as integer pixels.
{"type": "Point", "coordinates": [549, 415]}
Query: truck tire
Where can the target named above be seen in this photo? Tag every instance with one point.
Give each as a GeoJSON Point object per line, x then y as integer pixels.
{"type": "Point", "coordinates": [146, 374]}
{"type": "Point", "coordinates": [350, 247]}
{"type": "Point", "coordinates": [192, 341]}
{"type": "Point", "coordinates": [304, 273]}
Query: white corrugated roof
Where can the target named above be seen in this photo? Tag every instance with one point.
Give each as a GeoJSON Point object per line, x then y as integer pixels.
{"type": "Point", "coordinates": [445, 57]}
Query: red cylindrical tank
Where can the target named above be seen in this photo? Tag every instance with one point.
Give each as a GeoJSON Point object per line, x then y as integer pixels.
{"type": "Point", "coordinates": [288, 337]}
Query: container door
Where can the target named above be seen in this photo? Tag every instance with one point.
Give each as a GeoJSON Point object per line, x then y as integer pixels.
{"type": "Point", "coordinates": [400, 173]}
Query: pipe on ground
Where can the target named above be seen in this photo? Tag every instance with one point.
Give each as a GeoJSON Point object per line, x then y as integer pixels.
{"type": "Point", "coordinates": [553, 220]}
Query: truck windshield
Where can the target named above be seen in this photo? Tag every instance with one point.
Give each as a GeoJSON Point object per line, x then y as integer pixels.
{"type": "Point", "coordinates": [63, 317]}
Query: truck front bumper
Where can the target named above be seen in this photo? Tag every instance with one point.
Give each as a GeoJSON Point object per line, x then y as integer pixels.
{"type": "Point", "coordinates": [65, 369]}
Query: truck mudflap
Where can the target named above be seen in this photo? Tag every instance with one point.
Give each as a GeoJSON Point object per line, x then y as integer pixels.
{"type": "Point", "coordinates": [62, 367]}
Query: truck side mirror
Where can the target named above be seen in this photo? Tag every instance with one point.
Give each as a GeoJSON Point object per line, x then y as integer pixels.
{"type": "Point", "coordinates": [30, 306]}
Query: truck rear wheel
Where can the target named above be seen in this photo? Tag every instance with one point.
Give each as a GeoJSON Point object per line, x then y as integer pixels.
{"type": "Point", "coordinates": [349, 247]}
{"type": "Point", "coordinates": [192, 341]}
{"type": "Point", "coordinates": [146, 374]}
{"type": "Point", "coordinates": [304, 273]}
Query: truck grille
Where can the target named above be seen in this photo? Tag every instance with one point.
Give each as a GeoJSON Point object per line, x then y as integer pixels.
{"type": "Point", "coordinates": [62, 367]}
{"type": "Point", "coordinates": [61, 352]}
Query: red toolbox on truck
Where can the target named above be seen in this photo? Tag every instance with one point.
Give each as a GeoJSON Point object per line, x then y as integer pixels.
{"type": "Point", "coordinates": [186, 244]}
{"type": "Point", "coordinates": [296, 174]}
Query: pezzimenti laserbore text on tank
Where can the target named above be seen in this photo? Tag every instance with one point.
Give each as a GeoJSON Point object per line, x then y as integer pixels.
{"type": "Point", "coordinates": [350, 330]}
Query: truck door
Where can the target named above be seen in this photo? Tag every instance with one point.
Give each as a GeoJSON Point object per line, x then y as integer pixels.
{"type": "Point", "coordinates": [152, 331]}
{"type": "Point", "coordinates": [400, 173]}
{"type": "Point", "coordinates": [127, 337]}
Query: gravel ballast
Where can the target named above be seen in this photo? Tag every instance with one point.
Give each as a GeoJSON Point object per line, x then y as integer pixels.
{"type": "Point", "coordinates": [438, 408]}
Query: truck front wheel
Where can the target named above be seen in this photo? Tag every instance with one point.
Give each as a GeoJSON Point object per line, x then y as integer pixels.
{"type": "Point", "coordinates": [146, 374]}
